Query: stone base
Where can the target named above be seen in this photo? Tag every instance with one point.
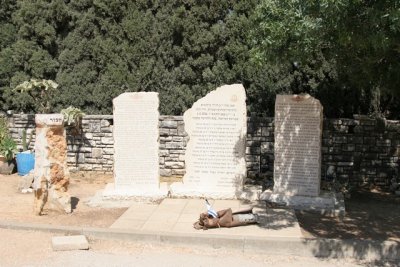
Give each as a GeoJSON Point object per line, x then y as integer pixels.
{"type": "Point", "coordinates": [60, 200]}
{"type": "Point", "coordinates": [110, 203]}
{"type": "Point", "coordinates": [73, 242]}
{"type": "Point", "coordinates": [326, 203]}
{"type": "Point", "coordinates": [110, 192]}
{"type": "Point", "coordinates": [251, 193]}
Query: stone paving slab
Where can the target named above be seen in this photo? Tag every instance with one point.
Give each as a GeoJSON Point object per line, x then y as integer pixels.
{"type": "Point", "coordinates": [178, 216]}
{"type": "Point", "coordinates": [69, 242]}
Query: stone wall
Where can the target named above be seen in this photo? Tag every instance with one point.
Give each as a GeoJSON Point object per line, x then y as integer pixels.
{"type": "Point", "coordinates": [92, 150]}
{"type": "Point", "coordinates": [17, 124]}
{"type": "Point", "coordinates": [361, 151]}
{"type": "Point", "coordinates": [355, 151]}
{"type": "Point", "coordinates": [173, 140]}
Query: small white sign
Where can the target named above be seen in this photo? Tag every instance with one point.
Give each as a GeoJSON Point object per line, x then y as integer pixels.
{"type": "Point", "coordinates": [49, 119]}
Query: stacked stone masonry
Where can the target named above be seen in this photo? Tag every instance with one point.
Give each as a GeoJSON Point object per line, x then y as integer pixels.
{"type": "Point", "coordinates": [355, 151]}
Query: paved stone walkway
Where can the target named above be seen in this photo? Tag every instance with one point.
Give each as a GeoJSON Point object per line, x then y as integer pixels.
{"type": "Point", "coordinates": [178, 216]}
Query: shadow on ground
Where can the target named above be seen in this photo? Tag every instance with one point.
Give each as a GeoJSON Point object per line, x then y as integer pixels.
{"type": "Point", "coordinates": [369, 215]}
{"type": "Point", "coordinates": [356, 249]}
{"type": "Point", "coordinates": [274, 219]}
{"type": "Point", "coordinates": [369, 230]}
{"type": "Point", "coordinates": [74, 202]}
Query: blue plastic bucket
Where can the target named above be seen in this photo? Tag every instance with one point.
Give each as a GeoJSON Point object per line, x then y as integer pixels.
{"type": "Point", "coordinates": [25, 163]}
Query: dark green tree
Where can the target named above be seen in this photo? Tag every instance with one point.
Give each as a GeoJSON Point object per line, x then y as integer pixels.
{"type": "Point", "coordinates": [33, 53]}
{"type": "Point", "coordinates": [180, 49]}
{"type": "Point", "coordinates": [7, 38]}
{"type": "Point", "coordinates": [344, 52]}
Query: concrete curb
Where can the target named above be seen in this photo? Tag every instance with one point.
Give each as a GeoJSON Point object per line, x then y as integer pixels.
{"type": "Point", "coordinates": [319, 247]}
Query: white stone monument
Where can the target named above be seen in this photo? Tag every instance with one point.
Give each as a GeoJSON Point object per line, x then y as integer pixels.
{"type": "Point", "coordinates": [136, 144]}
{"type": "Point", "coordinates": [215, 153]}
{"type": "Point", "coordinates": [298, 134]}
{"type": "Point", "coordinates": [297, 155]}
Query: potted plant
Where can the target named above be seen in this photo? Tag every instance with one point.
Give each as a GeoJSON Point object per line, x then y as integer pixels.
{"type": "Point", "coordinates": [26, 158]}
{"type": "Point", "coordinates": [8, 148]}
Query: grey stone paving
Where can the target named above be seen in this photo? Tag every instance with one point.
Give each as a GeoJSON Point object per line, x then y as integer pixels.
{"type": "Point", "coordinates": [178, 216]}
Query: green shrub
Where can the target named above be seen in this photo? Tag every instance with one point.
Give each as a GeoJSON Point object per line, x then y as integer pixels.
{"type": "Point", "coordinates": [73, 117]}
{"type": "Point", "coordinates": [8, 148]}
{"type": "Point", "coordinates": [3, 129]}
{"type": "Point", "coordinates": [26, 142]}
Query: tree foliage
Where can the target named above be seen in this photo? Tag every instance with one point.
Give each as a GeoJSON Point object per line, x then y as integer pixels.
{"type": "Point", "coordinates": [358, 39]}
{"type": "Point", "coordinates": [97, 49]}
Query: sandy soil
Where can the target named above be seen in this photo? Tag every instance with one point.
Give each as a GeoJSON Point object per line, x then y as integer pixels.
{"type": "Point", "coordinates": [16, 206]}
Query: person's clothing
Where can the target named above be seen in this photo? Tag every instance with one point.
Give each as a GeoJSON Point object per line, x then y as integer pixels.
{"type": "Point", "coordinates": [245, 218]}
{"type": "Point", "coordinates": [226, 218]}
{"type": "Point", "coordinates": [210, 211]}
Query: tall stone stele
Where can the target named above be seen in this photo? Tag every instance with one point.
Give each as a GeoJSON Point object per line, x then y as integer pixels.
{"type": "Point", "coordinates": [136, 144]}
{"type": "Point", "coordinates": [51, 177]}
{"type": "Point", "coordinates": [297, 155]}
{"type": "Point", "coordinates": [215, 154]}
{"type": "Point", "coordinates": [298, 134]}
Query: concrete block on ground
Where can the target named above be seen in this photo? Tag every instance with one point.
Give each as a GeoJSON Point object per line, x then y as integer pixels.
{"type": "Point", "coordinates": [73, 242]}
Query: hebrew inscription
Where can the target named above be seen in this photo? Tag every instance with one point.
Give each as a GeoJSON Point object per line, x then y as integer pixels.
{"type": "Point", "coordinates": [298, 132]}
{"type": "Point", "coordinates": [49, 119]}
{"type": "Point", "coordinates": [215, 155]}
{"type": "Point", "coordinates": [136, 142]}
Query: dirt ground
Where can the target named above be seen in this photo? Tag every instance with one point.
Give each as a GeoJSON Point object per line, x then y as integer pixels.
{"type": "Point", "coordinates": [16, 206]}
{"type": "Point", "coordinates": [369, 215]}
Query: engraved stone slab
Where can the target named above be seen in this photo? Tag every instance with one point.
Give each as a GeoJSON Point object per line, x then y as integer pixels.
{"type": "Point", "coordinates": [298, 133]}
{"type": "Point", "coordinates": [136, 170]}
{"type": "Point", "coordinates": [215, 153]}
